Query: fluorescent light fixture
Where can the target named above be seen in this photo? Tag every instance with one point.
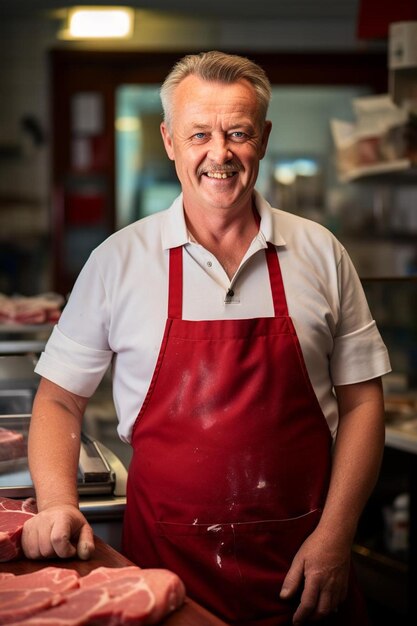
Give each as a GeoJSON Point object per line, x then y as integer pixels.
{"type": "Point", "coordinates": [98, 23]}
{"type": "Point", "coordinates": [306, 167]}
{"type": "Point", "coordinates": [284, 174]}
{"type": "Point", "coordinates": [128, 124]}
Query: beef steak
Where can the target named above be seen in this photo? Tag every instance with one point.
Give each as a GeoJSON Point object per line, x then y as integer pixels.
{"type": "Point", "coordinates": [25, 595]}
{"type": "Point", "coordinates": [13, 514]}
{"type": "Point", "coordinates": [19, 604]}
{"type": "Point", "coordinates": [125, 596]}
{"type": "Point", "coordinates": [53, 579]}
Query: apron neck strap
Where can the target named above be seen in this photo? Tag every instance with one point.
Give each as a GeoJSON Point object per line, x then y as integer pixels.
{"type": "Point", "coordinates": [175, 283]}
{"type": "Point", "coordinates": [175, 286]}
{"type": "Point", "coordinates": [277, 285]}
{"type": "Point", "coordinates": [275, 276]}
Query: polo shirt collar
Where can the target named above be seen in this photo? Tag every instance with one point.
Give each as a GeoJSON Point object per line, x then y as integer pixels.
{"type": "Point", "coordinates": [269, 227]}
{"type": "Point", "coordinates": [175, 233]}
{"type": "Point", "coordinates": [174, 229]}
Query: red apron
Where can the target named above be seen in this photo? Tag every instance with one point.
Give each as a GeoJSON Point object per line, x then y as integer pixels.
{"type": "Point", "coordinates": [231, 461]}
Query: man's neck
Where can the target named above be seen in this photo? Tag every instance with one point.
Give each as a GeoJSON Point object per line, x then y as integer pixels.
{"type": "Point", "coordinates": [227, 234]}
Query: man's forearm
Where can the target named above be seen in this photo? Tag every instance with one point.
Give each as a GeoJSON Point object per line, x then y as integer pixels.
{"type": "Point", "coordinates": [59, 529]}
{"type": "Point", "coordinates": [357, 456]}
{"type": "Point", "coordinates": [54, 445]}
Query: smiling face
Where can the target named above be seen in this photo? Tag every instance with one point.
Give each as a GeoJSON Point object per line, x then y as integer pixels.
{"type": "Point", "coordinates": [216, 140]}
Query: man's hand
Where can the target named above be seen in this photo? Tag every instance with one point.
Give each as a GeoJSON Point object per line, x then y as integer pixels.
{"type": "Point", "coordinates": [320, 571]}
{"type": "Point", "coordinates": [59, 531]}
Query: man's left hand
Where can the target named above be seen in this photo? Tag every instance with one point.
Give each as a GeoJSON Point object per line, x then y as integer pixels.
{"type": "Point", "coordinates": [321, 570]}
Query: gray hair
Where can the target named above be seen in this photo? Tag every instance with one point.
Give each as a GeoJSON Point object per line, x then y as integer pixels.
{"type": "Point", "coordinates": [216, 66]}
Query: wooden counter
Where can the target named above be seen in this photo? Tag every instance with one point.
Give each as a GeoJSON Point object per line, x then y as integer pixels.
{"type": "Point", "coordinates": [190, 614]}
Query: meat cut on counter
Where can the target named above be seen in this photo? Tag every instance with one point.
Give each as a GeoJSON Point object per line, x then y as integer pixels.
{"type": "Point", "coordinates": [13, 514]}
{"type": "Point", "coordinates": [59, 596]}
{"type": "Point", "coordinates": [126, 596]}
{"type": "Point", "coordinates": [23, 596]}
{"type": "Point", "coordinates": [12, 445]}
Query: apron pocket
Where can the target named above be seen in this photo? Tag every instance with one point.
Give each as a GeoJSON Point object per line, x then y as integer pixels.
{"type": "Point", "coordinates": [235, 569]}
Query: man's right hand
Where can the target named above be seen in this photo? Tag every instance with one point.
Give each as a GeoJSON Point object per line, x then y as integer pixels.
{"type": "Point", "coordinates": [58, 531]}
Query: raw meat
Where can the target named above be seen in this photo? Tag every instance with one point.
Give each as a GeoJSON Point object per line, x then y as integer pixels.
{"type": "Point", "coordinates": [12, 445]}
{"type": "Point", "coordinates": [25, 595]}
{"type": "Point", "coordinates": [125, 596]}
{"type": "Point", "coordinates": [52, 579]}
{"type": "Point", "coordinates": [45, 308]}
{"type": "Point", "coordinates": [102, 575]}
{"type": "Point", "coordinates": [16, 605]}
{"type": "Point", "coordinates": [126, 601]}
{"type": "Point", "coordinates": [167, 588]}
{"type": "Point", "coordinates": [13, 514]}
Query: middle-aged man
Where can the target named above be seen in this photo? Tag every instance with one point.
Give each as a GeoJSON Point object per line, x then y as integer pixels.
{"type": "Point", "coordinates": [246, 375]}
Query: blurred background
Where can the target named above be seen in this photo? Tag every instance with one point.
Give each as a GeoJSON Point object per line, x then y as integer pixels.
{"type": "Point", "coordinates": [81, 156]}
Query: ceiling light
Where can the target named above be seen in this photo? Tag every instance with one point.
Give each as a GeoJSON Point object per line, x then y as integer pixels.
{"type": "Point", "coordinates": [306, 167]}
{"type": "Point", "coordinates": [98, 23]}
{"type": "Point", "coordinates": [128, 124]}
{"type": "Point", "coordinates": [284, 174]}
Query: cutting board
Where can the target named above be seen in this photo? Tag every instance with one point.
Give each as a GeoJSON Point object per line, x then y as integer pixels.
{"type": "Point", "coordinates": [190, 614]}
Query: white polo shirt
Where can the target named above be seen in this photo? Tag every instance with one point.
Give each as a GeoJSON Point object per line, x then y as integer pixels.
{"type": "Point", "coordinates": [118, 307]}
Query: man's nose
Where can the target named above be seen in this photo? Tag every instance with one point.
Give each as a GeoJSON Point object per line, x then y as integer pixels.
{"type": "Point", "coordinates": [219, 150]}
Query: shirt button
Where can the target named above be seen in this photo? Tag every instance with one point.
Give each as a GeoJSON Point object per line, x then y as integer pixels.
{"type": "Point", "coordinates": [209, 263]}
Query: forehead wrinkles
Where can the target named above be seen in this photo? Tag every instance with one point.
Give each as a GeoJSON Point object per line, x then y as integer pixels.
{"type": "Point", "coordinates": [205, 102]}
{"type": "Point", "coordinates": [203, 108]}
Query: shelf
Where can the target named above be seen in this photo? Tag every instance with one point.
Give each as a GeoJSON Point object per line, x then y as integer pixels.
{"type": "Point", "coordinates": [401, 439]}
{"type": "Point", "coordinates": [21, 347]}
{"type": "Point", "coordinates": [372, 172]}
{"type": "Point", "coordinates": [23, 338]}
{"type": "Point", "coordinates": [380, 558]}
{"type": "Point", "coordinates": [23, 329]}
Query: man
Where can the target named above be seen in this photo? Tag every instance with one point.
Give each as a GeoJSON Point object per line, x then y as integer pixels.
{"type": "Point", "coordinates": [246, 373]}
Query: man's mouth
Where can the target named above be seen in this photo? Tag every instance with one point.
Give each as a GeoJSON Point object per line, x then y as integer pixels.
{"type": "Point", "coordinates": [219, 174]}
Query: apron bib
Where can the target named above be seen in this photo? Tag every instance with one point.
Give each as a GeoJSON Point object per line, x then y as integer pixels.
{"type": "Point", "coordinates": [231, 458]}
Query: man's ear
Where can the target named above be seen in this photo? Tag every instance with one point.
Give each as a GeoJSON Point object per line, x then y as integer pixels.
{"type": "Point", "coordinates": [167, 139]}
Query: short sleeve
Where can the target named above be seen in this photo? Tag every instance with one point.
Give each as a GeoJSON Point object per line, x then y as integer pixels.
{"type": "Point", "coordinates": [70, 365]}
{"type": "Point", "coordinates": [359, 352]}
{"type": "Point", "coordinates": [77, 353]}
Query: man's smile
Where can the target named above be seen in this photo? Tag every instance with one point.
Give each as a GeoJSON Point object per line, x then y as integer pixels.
{"type": "Point", "coordinates": [219, 174]}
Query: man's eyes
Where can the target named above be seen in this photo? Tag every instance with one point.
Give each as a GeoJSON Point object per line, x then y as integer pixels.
{"type": "Point", "coordinates": [236, 134]}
